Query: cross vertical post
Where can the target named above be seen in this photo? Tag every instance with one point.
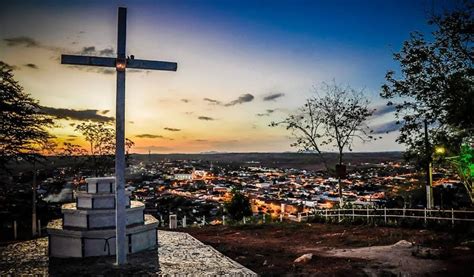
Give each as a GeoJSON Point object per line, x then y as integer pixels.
{"type": "Point", "coordinates": [120, 220]}
{"type": "Point", "coordinates": [121, 63]}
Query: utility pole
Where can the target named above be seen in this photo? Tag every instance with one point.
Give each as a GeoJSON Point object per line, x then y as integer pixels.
{"type": "Point", "coordinates": [33, 211]}
{"type": "Point", "coordinates": [429, 176]}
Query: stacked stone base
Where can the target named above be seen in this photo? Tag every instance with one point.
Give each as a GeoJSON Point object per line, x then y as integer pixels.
{"type": "Point", "coordinates": [88, 226]}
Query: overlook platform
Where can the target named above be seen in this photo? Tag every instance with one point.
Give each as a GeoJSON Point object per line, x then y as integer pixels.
{"type": "Point", "coordinates": [178, 254]}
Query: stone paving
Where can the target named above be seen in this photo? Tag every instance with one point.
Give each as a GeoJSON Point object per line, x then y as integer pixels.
{"type": "Point", "coordinates": [179, 254]}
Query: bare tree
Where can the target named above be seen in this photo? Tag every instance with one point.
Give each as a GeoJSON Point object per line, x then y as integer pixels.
{"type": "Point", "coordinates": [334, 118]}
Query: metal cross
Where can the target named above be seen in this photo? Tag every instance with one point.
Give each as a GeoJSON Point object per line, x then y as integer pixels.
{"type": "Point", "coordinates": [120, 63]}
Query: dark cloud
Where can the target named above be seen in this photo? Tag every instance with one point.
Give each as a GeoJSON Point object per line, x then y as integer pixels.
{"type": "Point", "coordinates": [87, 50]}
{"type": "Point", "coordinates": [149, 136]}
{"type": "Point", "coordinates": [185, 100]}
{"type": "Point", "coordinates": [155, 148]}
{"type": "Point", "coordinates": [242, 99]}
{"type": "Point", "coordinates": [384, 109]}
{"type": "Point", "coordinates": [21, 41]}
{"type": "Point", "coordinates": [31, 65]}
{"type": "Point", "coordinates": [104, 112]}
{"type": "Point", "coordinates": [212, 101]}
{"type": "Point", "coordinates": [273, 96]}
{"type": "Point", "coordinates": [72, 136]}
{"type": "Point", "coordinates": [70, 139]}
{"type": "Point", "coordinates": [267, 113]}
{"type": "Point", "coordinates": [205, 118]}
{"type": "Point", "coordinates": [93, 69]}
{"type": "Point", "coordinates": [201, 140]}
{"type": "Point", "coordinates": [9, 67]}
{"type": "Point", "coordinates": [131, 122]}
{"type": "Point", "coordinates": [172, 129]}
{"type": "Point", "coordinates": [386, 127]}
{"type": "Point", "coordinates": [82, 115]}
{"type": "Point", "coordinates": [107, 52]}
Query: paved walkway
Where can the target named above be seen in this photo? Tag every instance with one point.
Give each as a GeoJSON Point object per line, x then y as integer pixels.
{"type": "Point", "coordinates": [179, 254]}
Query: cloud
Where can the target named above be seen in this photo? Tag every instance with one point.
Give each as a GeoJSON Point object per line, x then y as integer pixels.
{"type": "Point", "coordinates": [386, 127]}
{"type": "Point", "coordinates": [212, 101]}
{"type": "Point", "coordinates": [9, 67]}
{"type": "Point", "coordinates": [104, 112]}
{"type": "Point", "coordinates": [172, 129]}
{"type": "Point", "coordinates": [267, 113]}
{"type": "Point", "coordinates": [88, 50]}
{"type": "Point", "coordinates": [24, 41]}
{"type": "Point", "coordinates": [273, 96]}
{"type": "Point", "coordinates": [149, 136]}
{"type": "Point", "coordinates": [155, 148]}
{"type": "Point", "coordinates": [242, 99]}
{"type": "Point", "coordinates": [201, 140]}
{"type": "Point", "coordinates": [384, 109]}
{"type": "Point", "coordinates": [93, 69]}
{"type": "Point", "coordinates": [185, 100]}
{"type": "Point", "coordinates": [21, 41]}
{"type": "Point", "coordinates": [107, 52]}
{"type": "Point", "coordinates": [31, 65]}
{"type": "Point", "coordinates": [92, 50]}
{"type": "Point", "coordinates": [71, 114]}
{"type": "Point", "coordinates": [205, 118]}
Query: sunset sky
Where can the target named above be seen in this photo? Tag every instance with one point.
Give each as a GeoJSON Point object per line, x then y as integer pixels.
{"type": "Point", "coordinates": [241, 65]}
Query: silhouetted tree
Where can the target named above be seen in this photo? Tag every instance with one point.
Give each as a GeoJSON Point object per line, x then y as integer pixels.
{"type": "Point", "coordinates": [23, 128]}
{"type": "Point", "coordinates": [436, 83]}
{"type": "Point", "coordinates": [101, 139]}
{"type": "Point", "coordinates": [334, 118]}
{"type": "Point", "coordinates": [238, 206]}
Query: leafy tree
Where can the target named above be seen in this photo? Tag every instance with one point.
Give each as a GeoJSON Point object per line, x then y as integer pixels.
{"type": "Point", "coordinates": [23, 127]}
{"type": "Point", "coordinates": [101, 139]}
{"type": "Point", "coordinates": [435, 83]}
{"type": "Point", "coordinates": [335, 117]}
{"type": "Point", "coordinates": [238, 206]}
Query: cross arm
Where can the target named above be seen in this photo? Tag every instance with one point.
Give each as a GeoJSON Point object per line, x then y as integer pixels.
{"type": "Point", "coordinates": [87, 60]}
{"type": "Point", "coordinates": [156, 65]}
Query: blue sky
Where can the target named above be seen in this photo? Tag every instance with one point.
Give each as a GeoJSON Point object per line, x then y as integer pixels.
{"type": "Point", "coordinates": [225, 50]}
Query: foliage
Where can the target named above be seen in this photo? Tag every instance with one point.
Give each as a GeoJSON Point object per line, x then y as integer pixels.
{"type": "Point", "coordinates": [435, 83]}
{"type": "Point", "coordinates": [23, 127]}
{"type": "Point", "coordinates": [101, 139]}
{"type": "Point", "coordinates": [335, 119]}
{"type": "Point", "coordinates": [238, 206]}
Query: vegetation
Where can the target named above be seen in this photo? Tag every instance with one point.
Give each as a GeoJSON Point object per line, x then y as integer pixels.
{"type": "Point", "coordinates": [436, 84]}
{"type": "Point", "coordinates": [334, 117]}
{"type": "Point", "coordinates": [22, 125]}
{"type": "Point", "coordinates": [238, 206]}
{"type": "Point", "coordinates": [101, 139]}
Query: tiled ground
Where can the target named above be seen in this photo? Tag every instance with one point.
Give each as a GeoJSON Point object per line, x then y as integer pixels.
{"type": "Point", "coordinates": [179, 254]}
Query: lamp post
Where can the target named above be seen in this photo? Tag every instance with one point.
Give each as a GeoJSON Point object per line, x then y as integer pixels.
{"type": "Point", "coordinates": [429, 176]}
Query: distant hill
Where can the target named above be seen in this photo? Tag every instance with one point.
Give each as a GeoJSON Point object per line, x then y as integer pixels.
{"type": "Point", "coordinates": [284, 160]}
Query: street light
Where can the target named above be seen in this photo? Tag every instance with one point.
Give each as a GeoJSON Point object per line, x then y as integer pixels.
{"type": "Point", "coordinates": [440, 150]}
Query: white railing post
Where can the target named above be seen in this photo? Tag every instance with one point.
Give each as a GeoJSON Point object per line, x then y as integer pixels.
{"type": "Point", "coordinates": [184, 221]}
{"type": "Point", "coordinates": [452, 217]}
{"type": "Point", "coordinates": [299, 217]}
{"type": "Point", "coordinates": [15, 230]}
{"type": "Point", "coordinates": [385, 214]}
{"type": "Point", "coordinates": [338, 214]}
{"type": "Point", "coordinates": [353, 214]}
{"type": "Point", "coordinates": [39, 227]}
{"type": "Point", "coordinates": [173, 224]}
{"type": "Point", "coordinates": [244, 220]}
{"type": "Point", "coordinates": [403, 211]}
{"type": "Point", "coordinates": [263, 219]}
{"type": "Point", "coordinates": [281, 217]}
{"type": "Point", "coordinates": [203, 220]}
{"type": "Point", "coordinates": [367, 207]}
{"type": "Point", "coordinates": [425, 216]}
{"type": "Point", "coordinates": [223, 219]}
{"type": "Point", "coordinates": [326, 214]}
